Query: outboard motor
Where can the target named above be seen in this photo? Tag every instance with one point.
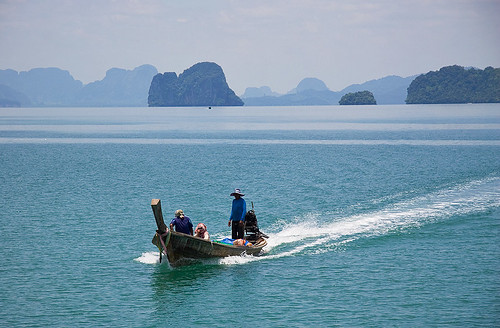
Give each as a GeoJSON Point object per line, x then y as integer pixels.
{"type": "Point", "coordinates": [252, 228]}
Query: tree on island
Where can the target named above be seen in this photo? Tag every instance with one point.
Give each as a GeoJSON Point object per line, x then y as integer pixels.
{"type": "Point", "coordinates": [358, 98]}
{"type": "Point", "coordinates": [456, 85]}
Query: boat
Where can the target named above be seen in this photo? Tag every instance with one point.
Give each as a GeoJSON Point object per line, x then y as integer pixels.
{"type": "Point", "coordinates": [177, 246]}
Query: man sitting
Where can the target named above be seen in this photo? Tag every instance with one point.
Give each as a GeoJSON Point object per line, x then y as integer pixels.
{"type": "Point", "coordinates": [181, 223]}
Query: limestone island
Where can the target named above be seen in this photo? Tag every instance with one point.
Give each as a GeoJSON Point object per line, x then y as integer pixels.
{"type": "Point", "coordinates": [203, 84]}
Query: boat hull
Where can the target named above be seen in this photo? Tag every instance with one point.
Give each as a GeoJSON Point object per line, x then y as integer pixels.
{"type": "Point", "coordinates": [177, 246]}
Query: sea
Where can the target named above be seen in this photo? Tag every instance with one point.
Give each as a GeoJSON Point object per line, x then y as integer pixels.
{"type": "Point", "coordinates": [377, 216]}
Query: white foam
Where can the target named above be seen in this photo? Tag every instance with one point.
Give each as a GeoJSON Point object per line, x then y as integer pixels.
{"type": "Point", "coordinates": [243, 259]}
{"type": "Point", "coordinates": [149, 258]}
{"type": "Point", "coordinates": [473, 197]}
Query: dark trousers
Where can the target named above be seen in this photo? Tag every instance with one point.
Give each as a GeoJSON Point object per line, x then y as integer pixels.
{"type": "Point", "coordinates": [238, 230]}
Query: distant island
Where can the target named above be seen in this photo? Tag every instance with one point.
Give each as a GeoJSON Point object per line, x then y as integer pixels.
{"type": "Point", "coordinates": [313, 92]}
{"type": "Point", "coordinates": [53, 87]}
{"type": "Point", "coordinates": [120, 87]}
{"type": "Point", "coordinates": [203, 84]}
{"type": "Point", "coordinates": [456, 85]}
{"type": "Point", "coordinates": [358, 98]}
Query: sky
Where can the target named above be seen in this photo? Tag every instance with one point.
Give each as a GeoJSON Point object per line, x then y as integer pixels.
{"type": "Point", "coordinates": [274, 43]}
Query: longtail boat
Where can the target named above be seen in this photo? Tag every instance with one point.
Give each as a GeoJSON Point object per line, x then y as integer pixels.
{"type": "Point", "coordinates": [176, 246]}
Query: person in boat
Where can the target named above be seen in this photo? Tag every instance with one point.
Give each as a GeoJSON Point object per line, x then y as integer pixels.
{"type": "Point", "coordinates": [237, 218]}
{"type": "Point", "coordinates": [242, 242]}
{"type": "Point", "coordinates": [181, 223]}
{"type": "Point", "coordinates": [201, 231]}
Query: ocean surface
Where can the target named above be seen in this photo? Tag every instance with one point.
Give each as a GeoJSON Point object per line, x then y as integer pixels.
{"type": "Point", "coordinates": [377, 216]}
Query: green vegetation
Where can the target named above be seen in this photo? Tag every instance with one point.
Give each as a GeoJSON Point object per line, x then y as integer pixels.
{"type": "Point", "coordinates": [456, 85]}
{"type": "Point", "coordinates": [358, 98]}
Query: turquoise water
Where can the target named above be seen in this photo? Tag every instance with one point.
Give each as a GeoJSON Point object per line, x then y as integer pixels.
{"type": "Point", "coordinates": [377, 216]}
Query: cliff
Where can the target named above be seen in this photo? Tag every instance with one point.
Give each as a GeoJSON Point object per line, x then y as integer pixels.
{"type": "Point", "coordinates": [203, 84]}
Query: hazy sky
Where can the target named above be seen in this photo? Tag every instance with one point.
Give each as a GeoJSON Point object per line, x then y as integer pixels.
{"type": "Point", "coordinates": [257, 42]}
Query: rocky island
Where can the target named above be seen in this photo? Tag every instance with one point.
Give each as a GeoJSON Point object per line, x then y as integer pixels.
{"type": "Point", "coordinates": [203, 84]}
{"type": "Point", "coordinates": [456, 85]}
{"type": "Point", "coordinates": [358, 98]}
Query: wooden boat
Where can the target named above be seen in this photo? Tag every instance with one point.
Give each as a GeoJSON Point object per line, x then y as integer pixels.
{"type": "Point", "coordinates": [177, 246]}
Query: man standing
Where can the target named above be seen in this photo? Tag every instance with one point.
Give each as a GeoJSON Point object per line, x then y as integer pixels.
{"type": "Point", "coordinates": [238, 211]}
{"type": "Point", "coordinates": [181, 223]}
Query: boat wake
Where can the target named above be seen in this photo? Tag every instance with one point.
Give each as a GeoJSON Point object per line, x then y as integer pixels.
{"type": "Point", "coordinates": [325, 232]}
{"type": "Point", "coordinates": [319, 233]}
